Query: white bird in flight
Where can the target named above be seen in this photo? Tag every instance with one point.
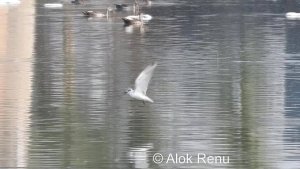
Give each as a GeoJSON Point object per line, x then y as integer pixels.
{"type": "Point", "coordinates": [141, 84]}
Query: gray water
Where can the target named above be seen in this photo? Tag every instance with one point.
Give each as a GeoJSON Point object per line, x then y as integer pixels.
{"type": "Point", "coordinates": [227, 85]}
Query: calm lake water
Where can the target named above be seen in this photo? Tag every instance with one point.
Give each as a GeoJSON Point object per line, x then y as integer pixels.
{"type": "Point", "coordinates": [227, 86]}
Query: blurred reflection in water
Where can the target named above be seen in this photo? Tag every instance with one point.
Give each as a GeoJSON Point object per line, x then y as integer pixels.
{"type": "Point", "coordinates": [226, 85]}
{"type": "Point", "coordinates": [16, 49]}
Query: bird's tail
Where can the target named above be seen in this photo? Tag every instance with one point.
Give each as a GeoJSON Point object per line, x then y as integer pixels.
{"type": "Point", "coordinates": [150, 100]}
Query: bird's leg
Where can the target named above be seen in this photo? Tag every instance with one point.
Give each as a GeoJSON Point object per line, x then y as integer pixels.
{"type": "Point", "coordinates": [144, 102]}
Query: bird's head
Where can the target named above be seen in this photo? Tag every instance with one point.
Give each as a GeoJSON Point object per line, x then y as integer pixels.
{"type": "Point", "coordinates": [129, 90]}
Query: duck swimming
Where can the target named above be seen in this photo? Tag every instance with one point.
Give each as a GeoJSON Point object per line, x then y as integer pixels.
{"type": "Point", "coordinates": [134, 21]}
{"type": "Point", "coordinates": [143, 17]}
{"type": "Point", "coordinates": [122, 7]}
{"type": "Point", "coordinates": [96, 14]}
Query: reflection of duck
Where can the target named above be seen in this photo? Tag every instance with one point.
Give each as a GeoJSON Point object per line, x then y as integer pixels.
{"type": "Point", "coordinates": [292, 15]}
{"type": "Point", "coordinates": [133, 28]}
{"type": "Point", "coordinates": [96, 14]}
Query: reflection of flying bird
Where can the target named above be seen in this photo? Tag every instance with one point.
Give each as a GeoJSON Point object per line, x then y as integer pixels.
{"type": "Point", "coordinates": [139, 155]}
{"type": "Point", "coordinates": [141, 84]}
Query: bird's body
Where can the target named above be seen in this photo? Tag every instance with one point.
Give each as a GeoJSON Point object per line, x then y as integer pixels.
{"type": "Point", "coordinates": [136, 22]}
{"type": "Point", "coordinates": [136, 19]}
{"type": "Point", "coordinates": [141, 84]}
{"type": "Point", "coordinates": [96, 14]}
{"type": "Point", "coordinates": [93, 14]}
{"type": "Point", "coordinates": [144, 17]}
{"type": "Point", "coordinates": [292, 15]}
{"type": "Point", "coordinates": [121, 7]}
{"type": "Point", "coordinates": [52, 5]}
{"type": "Point", "coordinates": [77, 2]}
{"type": "Point", "coordinates": [139, 96]}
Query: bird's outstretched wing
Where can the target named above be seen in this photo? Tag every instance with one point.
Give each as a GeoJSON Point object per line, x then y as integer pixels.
{"type": "Point", "coordinates": [142, 81]}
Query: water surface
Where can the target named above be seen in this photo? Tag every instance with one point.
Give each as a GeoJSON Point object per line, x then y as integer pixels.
{"type": "Point", "coordinates": [227, 84]}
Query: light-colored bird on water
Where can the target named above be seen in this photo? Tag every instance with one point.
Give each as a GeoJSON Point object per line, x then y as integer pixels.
{"type": "Point", "coordinates": [136, 19]}
{"type": "Point", "coordinates": [292, 15]}
{"type": "Point", "coordinates": [141, 84]}
{"type": "Point", "coordinates": [97, 14]}
{"type": "Point", "coordinates": [144, 17]}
